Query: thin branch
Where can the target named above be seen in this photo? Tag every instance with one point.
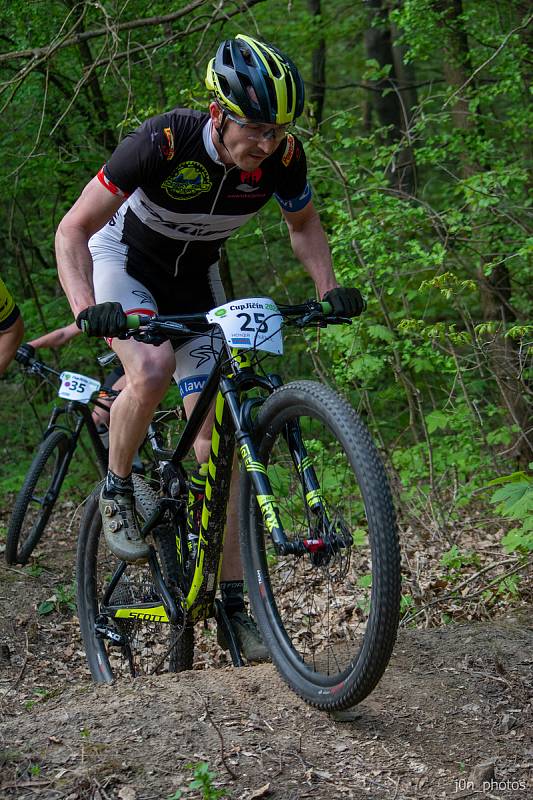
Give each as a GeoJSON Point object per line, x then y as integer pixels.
{"type": "Point", "coordinates": [453, 593]}
{"type": "Point", "coordinates": [491, 58]}
{"type": "Point", "coordinates": [229, 770]}
{"type": "Point", "coordinates": [38, 52]}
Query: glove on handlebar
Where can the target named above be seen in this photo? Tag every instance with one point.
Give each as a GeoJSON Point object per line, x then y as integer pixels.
{"type": "Point", "coordinates": [345, 302]}
{"type": "Point", "coordinates": [24, 353]}
{"type": "Point", "coordinates": [104, 319]}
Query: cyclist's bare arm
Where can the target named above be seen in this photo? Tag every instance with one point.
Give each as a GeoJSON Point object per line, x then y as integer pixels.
{"type": "Point", "coordinates": [56, 338]}
{"type": "Point", "coordinates": [310, 246]}
{"type": "Point", "coordinates": [9, 341]}
{"type": "Point", "coordinates": [95, 206]}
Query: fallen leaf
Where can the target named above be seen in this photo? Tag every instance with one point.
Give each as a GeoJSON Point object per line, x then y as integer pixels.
{"type": "Point", "coordinates": [263, 791]}
{"type": "Point", "coordinates": [127, 793]}
{"type": "Point", "coordinates": [346, 716]}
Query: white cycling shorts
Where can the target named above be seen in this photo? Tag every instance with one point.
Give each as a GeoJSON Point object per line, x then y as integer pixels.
{"type": "Point", "coordinates": [196, 357]}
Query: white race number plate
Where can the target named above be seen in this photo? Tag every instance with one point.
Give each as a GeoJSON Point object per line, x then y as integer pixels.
{"type": "Point", "coordinates": [77, 387]}
{"type": "Point", "coordinates": [250, 324]}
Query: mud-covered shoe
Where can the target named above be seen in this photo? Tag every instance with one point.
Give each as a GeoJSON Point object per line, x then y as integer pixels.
{"type": "Point", "coordinates": [121, 528]}
{"type": "Point", "coordinates": [247, 635]}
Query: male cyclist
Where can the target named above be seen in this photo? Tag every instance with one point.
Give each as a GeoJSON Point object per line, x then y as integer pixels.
{"type": "Point", "coordinates": [145, 236]}
{"type": "Point", "coordinates": [11, 328]}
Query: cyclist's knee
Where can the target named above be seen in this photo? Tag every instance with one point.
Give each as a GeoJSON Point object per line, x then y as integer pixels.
{"type": "Point", "coordinates": [151, 373]}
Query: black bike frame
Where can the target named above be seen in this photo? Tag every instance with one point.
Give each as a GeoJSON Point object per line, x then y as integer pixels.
{"type": "Point", "coordinates": [83, 417]}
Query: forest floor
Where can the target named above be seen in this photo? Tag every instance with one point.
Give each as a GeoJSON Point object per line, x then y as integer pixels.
{"type": "Point", "coordinates": [452, 717]}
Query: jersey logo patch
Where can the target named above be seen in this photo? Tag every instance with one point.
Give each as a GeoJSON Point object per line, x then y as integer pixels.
{"type": "Point", "coordinates": [289, 150]}
{"type": "Point", "coordinates": [250, 180]}
{"type": "Point", "coordinates": [188, 179]}
{"type": "Point", "coordinates": [168, 148]}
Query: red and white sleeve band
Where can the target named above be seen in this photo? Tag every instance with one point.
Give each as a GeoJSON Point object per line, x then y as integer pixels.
{"type": "Point", "coordinates": [104, 180]}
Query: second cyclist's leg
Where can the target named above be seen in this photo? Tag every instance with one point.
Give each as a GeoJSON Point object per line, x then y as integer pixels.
{"type": "Point", "coordinates": [115, 380]}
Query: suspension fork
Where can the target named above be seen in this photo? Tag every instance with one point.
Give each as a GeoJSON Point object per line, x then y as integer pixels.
{"type": "Point", "coordinates": [304, 465]}
{"type": "Point", "coordinates": [254, 467]}
{"type": "Point", "coordinates": [261, 483]}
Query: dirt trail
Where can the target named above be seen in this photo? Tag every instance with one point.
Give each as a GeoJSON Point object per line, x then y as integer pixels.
{"type": "Point", "coordinates": [451, 718]}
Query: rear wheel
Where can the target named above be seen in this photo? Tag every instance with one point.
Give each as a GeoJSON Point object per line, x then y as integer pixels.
{"type": "Point", "coordinates": [329, 613]}
{"type": "Point", "coordinates": [36, 499]}
{"type": "Point", "coordinates": [128, 646]}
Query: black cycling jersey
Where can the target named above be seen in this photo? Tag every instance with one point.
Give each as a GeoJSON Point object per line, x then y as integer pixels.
{"type": "Point", "coordinates": [182, 202]}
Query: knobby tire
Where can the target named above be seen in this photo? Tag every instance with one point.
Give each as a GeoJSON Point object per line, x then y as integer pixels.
{"type": "Point", "coordinates": [26, 527]}
{"type": "Point", "coordinates": [330, 623]}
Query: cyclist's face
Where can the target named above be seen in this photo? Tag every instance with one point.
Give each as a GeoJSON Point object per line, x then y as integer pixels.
{"type": "Point", "coordinates": [248, 144]}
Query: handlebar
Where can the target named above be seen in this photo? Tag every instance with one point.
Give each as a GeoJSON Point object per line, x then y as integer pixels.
{"type": "Point", "coordinates": [36, 367]}
{"type": "Point", "coordinates": [33, 365]}
{"type": "Point", "coordinates": [312, 312]}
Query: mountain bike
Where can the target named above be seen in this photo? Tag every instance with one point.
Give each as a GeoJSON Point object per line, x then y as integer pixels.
{"type": "Point", "coordinates": [38, 495]}
{"type": "Point", "coordinates": [318, 535]}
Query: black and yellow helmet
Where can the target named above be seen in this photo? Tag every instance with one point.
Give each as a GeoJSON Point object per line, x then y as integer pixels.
{"type": "Point", "coordinates": [242, 64]}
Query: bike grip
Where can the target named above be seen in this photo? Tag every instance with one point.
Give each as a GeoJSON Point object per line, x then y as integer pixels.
{"type": "Point", "coordinates": [133, 321]}
{"type": "Point", "coordinates": [327, 308]}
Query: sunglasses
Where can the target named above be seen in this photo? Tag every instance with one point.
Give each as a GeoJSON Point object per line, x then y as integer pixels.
{"type": "Point", "coordinates": [256, 134]}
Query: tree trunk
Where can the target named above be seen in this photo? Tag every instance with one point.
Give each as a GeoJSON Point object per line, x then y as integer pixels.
{"type": "Point", "coordinates": [495, 288]}
{"type": "Point", "coordinates": [103, 132]}
{"type": "Point", "coordinates": [318, 71]}
{"type": "Point", "coordinates": [394, 108]}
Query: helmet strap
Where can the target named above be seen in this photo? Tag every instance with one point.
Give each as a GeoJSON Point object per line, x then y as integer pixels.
{"type": "Point", "coordinates": [220, 133]}
{"type": "Point", "coordinates": [220, 127]}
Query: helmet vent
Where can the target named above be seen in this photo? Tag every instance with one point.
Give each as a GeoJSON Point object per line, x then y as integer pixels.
{"type": "Point", "coordinates": [247, 56]}
{"type": "Point", "coordinates": [226, 57]}
{"type": "Point", "coordinates": [288, 84]}
{"type": "Point", "coordinates": [224, 85]}
{"type": "Point", "coordinates": [274, 68]}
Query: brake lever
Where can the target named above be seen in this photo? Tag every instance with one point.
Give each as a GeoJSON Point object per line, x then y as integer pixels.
{"type": "Point", "coordinates": [318, 318]}
{"type": "Point", "coordinates": [339, 320]}
{"type": "Point", "coordinates": [313, 316]}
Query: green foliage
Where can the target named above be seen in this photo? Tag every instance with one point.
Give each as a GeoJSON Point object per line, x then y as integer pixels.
{"type": "Point", "coordinates": [62, 601]}
{"type": "Point", "coordinates": [203, 782]}
{"type": "Point", "coordinates": [514, 500]}
{"type": "Point", "coordinates": [454, 560]}
{"type": "Point", "coordinates": [423, 366]}
{"type": "Point", "coordinates": [41, 695]}
{"type": "Point", "coordinates": [35, 569]}
{"type": "Point", "coordinates": [407, 604]}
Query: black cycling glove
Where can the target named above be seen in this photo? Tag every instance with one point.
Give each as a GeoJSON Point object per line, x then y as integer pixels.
{"type": "Point", "coordinates": [104, 319]}
{"type": "Point", "coordinates": [345, 302]}
{"type": "Point", "coordinates": [24, 353]}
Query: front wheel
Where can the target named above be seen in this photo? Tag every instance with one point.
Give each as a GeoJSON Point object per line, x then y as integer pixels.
{"type": "Point", "coordinates": [328, 611]}
{"type": "Point", "coordinates": [36, 499]}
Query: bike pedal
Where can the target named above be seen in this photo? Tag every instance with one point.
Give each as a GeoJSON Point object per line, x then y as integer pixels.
{"type": "Point", "coordinates": [109, 633]}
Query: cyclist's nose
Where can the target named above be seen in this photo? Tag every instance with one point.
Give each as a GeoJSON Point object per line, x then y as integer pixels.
{"type": "Point", "coordinates": [267, 146]}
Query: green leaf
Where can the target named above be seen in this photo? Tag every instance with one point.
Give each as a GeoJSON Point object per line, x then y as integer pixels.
{"type": "Point", "coordinates": [365, 581]}
{"type": "Point", "coordinates": [515, 499]}
{"type": "Point", "coordinates": [436, 420]}
{"type": "Point", "coordinates": [46, 607]}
